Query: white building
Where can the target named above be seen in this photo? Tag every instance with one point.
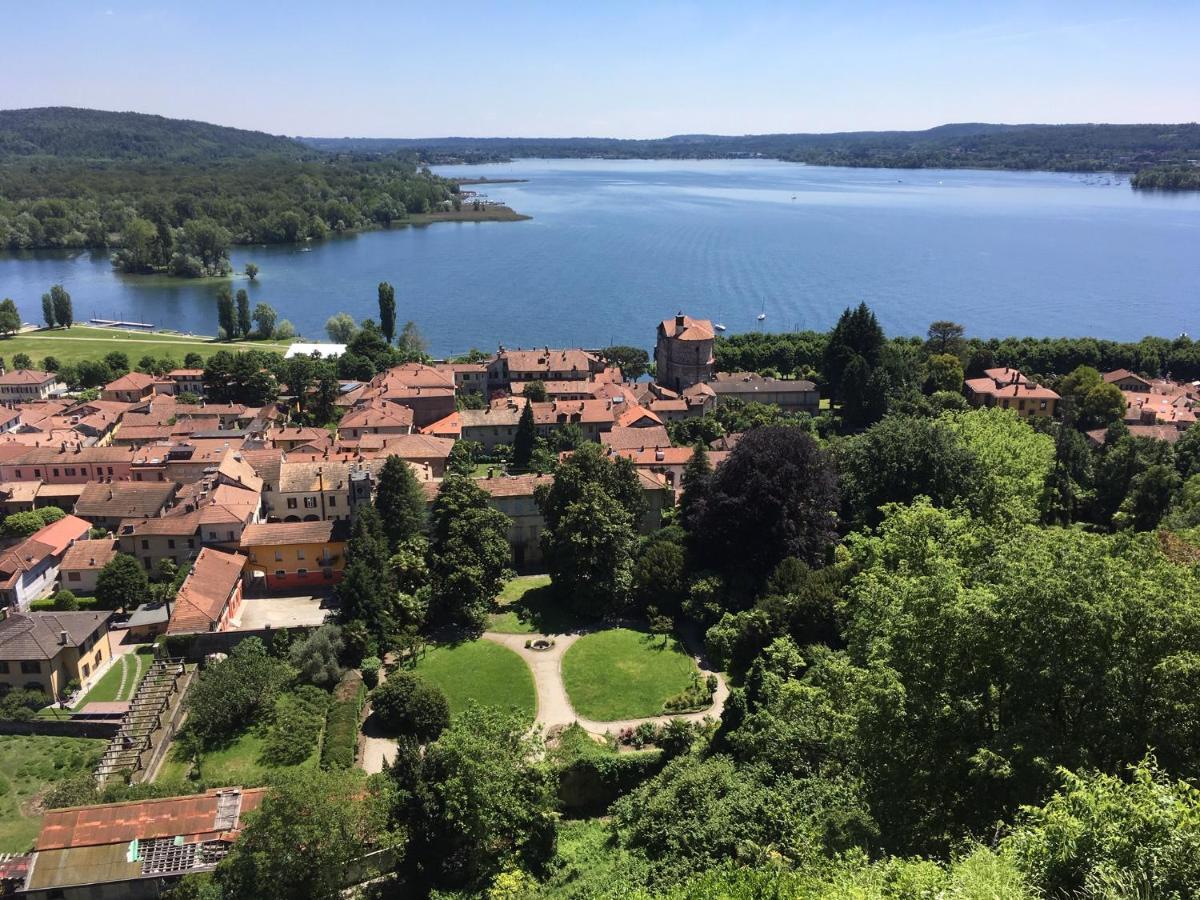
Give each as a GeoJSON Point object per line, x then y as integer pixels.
{"type": "Point", "coordinates": [325, 351]}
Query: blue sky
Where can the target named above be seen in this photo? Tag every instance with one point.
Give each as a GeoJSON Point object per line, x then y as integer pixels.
{"type": "Point", "coordinates": [649, 69]}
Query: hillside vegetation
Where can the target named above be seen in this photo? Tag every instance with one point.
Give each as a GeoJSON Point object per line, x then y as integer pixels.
{"type": "Point", "coordinates": [1070, 148]}
{"type": "Point", "coordinates": [65, 131]}
{"type": "Point", "coordinates": [174, 195]}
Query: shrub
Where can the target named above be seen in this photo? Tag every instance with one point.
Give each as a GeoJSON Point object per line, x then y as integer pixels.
{"type": "Point", "coordinates": [341, 722]}
{"type": "Point", "coordinates": [592, 776]}
{"type": "Point", "coordinates": [21, 704]}
{"type": "Point", "coordinates": [407, 704]}
{"type": "Point", "coordinates": [316, 657]}
{"type": "Point", "coordinates": [698, 695]}
{"type": "Point", "coordinates": [293, 733]}
{"type": "Point", "coordinates": [370, 671]}
{"type": "Point", "coordinates": [232, 694]}
{"type": "Point", "coordinates": [65, 601]}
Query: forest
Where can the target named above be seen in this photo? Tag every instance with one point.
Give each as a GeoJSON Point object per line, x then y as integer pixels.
{"type": "Point", "coordinates": [172, 196]}
{"type": "Point", "coordinates": [1065, 148]}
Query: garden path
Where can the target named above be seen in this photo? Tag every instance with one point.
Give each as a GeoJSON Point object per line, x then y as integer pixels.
{"type": "Point", "coordinates": [554, 706]}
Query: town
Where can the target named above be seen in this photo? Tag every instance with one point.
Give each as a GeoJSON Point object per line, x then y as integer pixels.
{"type": "Point", "coordinates": [165, 543]}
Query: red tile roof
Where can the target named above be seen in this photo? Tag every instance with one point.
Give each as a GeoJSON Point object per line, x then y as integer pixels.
{"type": "Point", "coordinates": [685, 328]}
{"type": "Point", "coordinates": [271, 534]}
{"type": "Point", "coordinates": [93, 555]}
{"type": "Point", "coordinates": [26, 376]}
{"type": "Point", "coordinates": [205, 592]}
{"type": "Point", "coordinates": [134, 381]}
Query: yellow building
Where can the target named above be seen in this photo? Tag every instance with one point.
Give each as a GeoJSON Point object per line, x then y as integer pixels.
{"type": "Point", "coordinates": [46, 651]}
{"type": "Point", "coordinates": [295, 555]}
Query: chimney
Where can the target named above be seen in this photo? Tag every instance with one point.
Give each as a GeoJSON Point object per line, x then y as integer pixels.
{"type": "Point", "coordinates": [679, 319]}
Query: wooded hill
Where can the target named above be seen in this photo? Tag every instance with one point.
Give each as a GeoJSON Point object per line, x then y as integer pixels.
{"type": "Point", "coordinates": [64, 131]}
{"type": "Point", "coordinates": [1070, 148]}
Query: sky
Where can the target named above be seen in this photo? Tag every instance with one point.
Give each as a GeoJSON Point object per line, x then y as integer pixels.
{"type": "Point", "coordinates": [613, 69]}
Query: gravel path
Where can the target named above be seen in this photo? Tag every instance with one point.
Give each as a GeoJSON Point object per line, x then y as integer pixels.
{"type": "Point", "coordinates": [554, 706]}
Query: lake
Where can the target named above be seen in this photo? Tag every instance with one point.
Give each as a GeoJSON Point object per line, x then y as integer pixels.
{"type": "Point", "coordinates": [615, 246]}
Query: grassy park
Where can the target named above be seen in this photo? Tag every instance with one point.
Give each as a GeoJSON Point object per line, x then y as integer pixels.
{"type": "Point", "coordinates": [29, 764]}
{"type": "Point", "coordinates": [624, 674]}
{"type": "Point", "coordinates": [80, 342]}
{"type": "Point", "coordinates": [481, 671]}
{"type": "Point", "coordinates": [527, 605]}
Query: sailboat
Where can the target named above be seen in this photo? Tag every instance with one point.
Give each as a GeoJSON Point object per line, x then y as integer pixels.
{"type": "Point", "coordinates": [719, 326]}
{"type": "Point", "coordinates": [763, 315]}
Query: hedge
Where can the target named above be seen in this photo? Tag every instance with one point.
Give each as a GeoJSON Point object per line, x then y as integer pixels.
{"type": "Point", "coordinates": [589, 784]}
{"type": "Point", "coordinates": [341, 722]}
{"type": "Point", "coordinates": [46, 604]}
{"type": "Point", "coordinates": [295, 727]}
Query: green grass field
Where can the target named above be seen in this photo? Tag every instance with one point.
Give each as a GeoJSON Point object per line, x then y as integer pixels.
{"type": "Point", "coordinates": [29, 764]}
{"type": "Point", "coordinates": [84, 342]}
{"type": "Point", "coordinates": [484, 672]}
{"type": "Point", "coordinates": [121, 680]}
{"type": "Point", "coordinates": [624, 674]}
{"type": "Point", "coordinates": [527, 605]}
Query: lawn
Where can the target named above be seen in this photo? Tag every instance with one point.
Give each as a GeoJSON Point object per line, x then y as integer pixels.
{"type": "Point", "coordinates": [481, 671]}
{"type": "Point", "coordinates": [85, 342]}
{"type": "Point", "coordinates": [29, 764]}
{"type": "Point", "coordinates": [121, 679]}
{"type": "Point", "coordinates": [624, 674]}
{"type": "Point", "coordinates": [527, 605]}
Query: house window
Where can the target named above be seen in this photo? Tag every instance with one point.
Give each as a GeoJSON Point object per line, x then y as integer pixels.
{"type": "Point", "coordinates": [299, 554]}
{"type": "Point", "coordinates": [279, 573]}
{"type": "Point", "coordinates": [230, 535]}
{"type": "Point", "coordinates": [145, 544]}
{"type": "Point", "coordinates": [31, 667]}
{"type": "Point", "coordinates": [18, 473]}
{"type": "Point", "coordinates": [278, 556]}
{"type": "Point", "coordinates": [291, 502]}
{"type": "Point", "coordinates": [302, 572]}
{"type": "Point", "coordinates": [3, 668]}
{"type": "Point", "coordinates": [37, 473]}
{"type": "Point", "coordinates": [99, 655]}
{"type": "Point", "coordinates": [56, 473]}
{"type": "Point", "coordinates": [212, 535]}
{"type": "Point", "coordinates": [333, 501]}
{"type": "Point", "coordinates": [87, 670]}
{"type": "Point", "coordinates": [170, 543]}
{"type": "Point", "coordinates": [310, 502]}
{"type": "Point", "coordinates": [146, 562]}
{"type": "Point", "coordinates": [191, 543]}
{"type": "Point", "coordinates": [110, 470]}
{"type": "Point", "coordinates": [74, 576]}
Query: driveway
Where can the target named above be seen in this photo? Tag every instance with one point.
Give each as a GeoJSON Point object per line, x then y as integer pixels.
{"type": "Point", "coordinates": [281, 612]}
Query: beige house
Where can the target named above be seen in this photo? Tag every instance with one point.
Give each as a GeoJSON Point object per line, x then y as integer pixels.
{"type": "Point", "coordinates": [23, 385]}
{"type": "Point", "coordinates": [46, 651]}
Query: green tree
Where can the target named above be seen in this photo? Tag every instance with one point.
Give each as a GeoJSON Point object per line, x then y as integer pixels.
{"type": "Point", "coordinates": [315, 658]}
{"type": "Point", "coordinates": [285, 331]}
{"type": "Point", "coordinates": [589, 553]}
{"type": "Point", "coordinates": [122, 583]}
{"type": "Point", "coordinates": [251, 271]}
{"type": "Point", "coordinates": [412, 344]}
{"type": "Point", "coordinates": [193, 361]}
{"type": "Point", "coordinates": [590, 465]}
{"type": "Point", "coordinates": [226, 320]}
{"type": "Point", "coordinates": [340, 327]}
{"type": "Point", "coordinates": [775, 496]}
{"type": "Point", "coordinates": [299, 373]}
{"type": "Point", "coordinates": [535, 391]}
{"type": "Point", "coordinates": [468, 554]}
{"type": "Point", "coordinates": [48, 310]}
{"type": "Point", "coordinates": [633, 362]}
{"type": "Point", "coordinates": [63, 312]}
{"type": "Point", "coordinates": [387, 311]}
{"type": "Point", "coordinates": [408, 704]}
{"type": "Point", "coordinates": [264, 318]}
{"type": "Point", "coordinates": [23, 524]}
{"type": "Point", "coordinates": [66, 601]}
{"type": "Point", "coordinates": [523, 441]}
{"type": "Point", "coordinates": [850, 366]}
{"type": "Point", "coordinates": [400, 501]}
{"type": "Point", "coordinates": [367, 593]}
{"type": "Point", "coordinates": [945, 337]}
{"type": "Point", "coordinates": [325, 395]}
{"type": "Point", "coordinates": [243, 312]}
{"type": "Point", "coordinates": [10, 319]}
{"type": "Point", "coordinates": [485, 802]}
{"type": "Point", "coordinates": [943, 372]}
{"type": "Point", "coordinates": [299, 844]}
{"type": "Point", "coordinates": [22, 361]}
{"type": "Point", "coordinates": [694, 481]}
{"type": "Point", "coordinates": [232, 694]}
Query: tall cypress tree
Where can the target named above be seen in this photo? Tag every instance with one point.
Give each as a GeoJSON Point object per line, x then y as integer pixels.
{"type": "Point", "coordinates": [400, 501]}
{"type": "Point", "coordinates": [387, 310]}
{"type": "Point", "coordinates": [225, 319]}
{"type": "Point", "coordinates": [524, 440]}
{"type": "Point", "coordinates": [243, 312]}
{"type": "Point", "coordinates": [694, 481]}
{"type": "Point", "coordinates": [367, 593]}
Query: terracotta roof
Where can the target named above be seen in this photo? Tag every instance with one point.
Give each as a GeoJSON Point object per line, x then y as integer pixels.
{"type": "Point", "coordinates": [26, 376]}
{"type": "Point", "coordinates": [76, 455]}
{"type": "Point", "coordinates": [205, 592]}
{"type": "Point", "coordinates": [1023, 390]}
{"type": "Point", "coordinates": [451, 425]}
{"type": "Point", "coordinates": [120, 823]}
{"type": "Point", "coordinates": [377, 414]}
{"type": "Point", "coordinates": [134, 381]}
{"type": "Point", "coordinates": [124, 499]}
{"type": "Point", "coordinates": [630, 414]}
{"type": "Point", "coordinates": [499, 486]}
{"type": "Point", "coordinates": [59, 535]}
{"type": "Point", "coordinates": [178, 525]}
{"type": "Point", "coordinates": [547, 360]}
{"type": "Point", "coordinates": [186, 373]}
{"type": "Point", "coordinates": [309, 477]}
{"type": "Point", "coordinates": [89, 555]}
{"type": "Point", "coordinates": [267, 534]}
{"type": "Point", "coordinates": [685, 328]}
{"type": "Point", "coordinates": [37, 635]}
{"type": "Point", "coordinates": [623, 438]}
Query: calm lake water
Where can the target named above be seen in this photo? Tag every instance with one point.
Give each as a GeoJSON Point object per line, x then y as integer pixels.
{"type": "Point", "coordinates": [613, 247]}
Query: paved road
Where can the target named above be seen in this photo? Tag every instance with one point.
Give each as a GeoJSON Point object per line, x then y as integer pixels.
{"type": "Point", "coordinates": [554, 706]}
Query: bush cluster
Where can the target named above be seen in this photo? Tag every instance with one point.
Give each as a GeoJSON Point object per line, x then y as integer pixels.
{"type": "Point", "coordinates": [296, 726]}
{"type": "Point", "coordinates": [341, 722]}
